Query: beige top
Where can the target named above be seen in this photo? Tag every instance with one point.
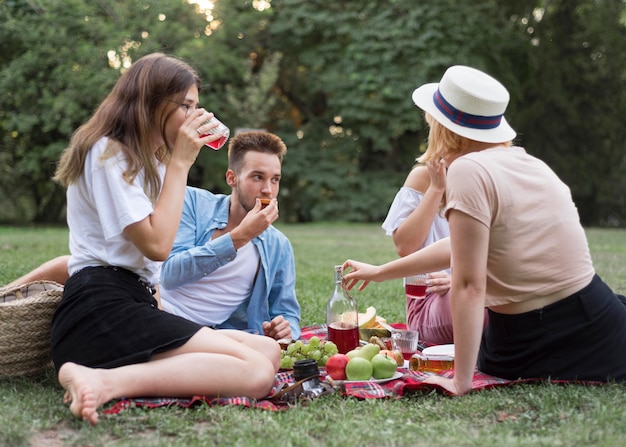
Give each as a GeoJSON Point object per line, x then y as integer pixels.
{"type": "Point", "coordinates": [537, 246]}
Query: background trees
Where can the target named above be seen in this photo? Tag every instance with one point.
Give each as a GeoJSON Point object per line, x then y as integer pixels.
{"type": "Point", "coordinates": [334, 80]}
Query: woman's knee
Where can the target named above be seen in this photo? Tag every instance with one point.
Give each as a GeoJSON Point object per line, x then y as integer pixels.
{"type": "Point", "coordinates": [261, 379]}
{"type": "Point", "coordinates": [272, 349]}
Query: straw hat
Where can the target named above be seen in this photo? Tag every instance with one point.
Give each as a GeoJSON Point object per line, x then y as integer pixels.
{"type": "Point", "coordinates": [468, 102]}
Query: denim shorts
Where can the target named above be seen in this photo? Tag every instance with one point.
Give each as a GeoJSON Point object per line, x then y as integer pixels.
{"type": "Point", "coordinates": [108, 318]}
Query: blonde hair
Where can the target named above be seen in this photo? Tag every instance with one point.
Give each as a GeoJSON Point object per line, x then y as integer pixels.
{"type": "Point", "coordinates": [145, 96]}
{"type": "Point", "coordinates": [442, 142]}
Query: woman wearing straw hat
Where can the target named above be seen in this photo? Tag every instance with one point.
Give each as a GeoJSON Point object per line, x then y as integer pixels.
{"type": "Point", "coordinates": [516, 246]}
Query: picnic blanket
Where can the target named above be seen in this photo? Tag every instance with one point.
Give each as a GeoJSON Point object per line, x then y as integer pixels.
{"type": "Point", "coordinates": [410, 381]}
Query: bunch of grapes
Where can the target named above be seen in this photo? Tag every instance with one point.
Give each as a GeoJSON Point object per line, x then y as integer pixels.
{"type": "Point", "coordinates": [315, 349]}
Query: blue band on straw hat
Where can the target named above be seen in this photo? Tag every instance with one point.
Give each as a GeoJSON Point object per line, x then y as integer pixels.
{"type": "Point", "coordinates": [462, 118]}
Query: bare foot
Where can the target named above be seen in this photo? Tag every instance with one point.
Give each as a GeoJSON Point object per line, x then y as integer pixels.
{"type": "Point", "coordinates": [83, 390]}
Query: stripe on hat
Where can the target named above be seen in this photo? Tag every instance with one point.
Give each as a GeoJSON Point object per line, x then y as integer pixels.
{"type": "Point", "coordinates": [462, 118]}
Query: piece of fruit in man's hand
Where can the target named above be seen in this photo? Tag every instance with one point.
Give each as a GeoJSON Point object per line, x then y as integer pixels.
{"type": "Point", "coordinates": [264, 202]}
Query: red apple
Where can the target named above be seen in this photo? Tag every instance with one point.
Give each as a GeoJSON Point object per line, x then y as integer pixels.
{"type": "Point", "coordinates": [336, 366]}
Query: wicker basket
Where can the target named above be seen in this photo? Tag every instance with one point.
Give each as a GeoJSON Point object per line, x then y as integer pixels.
{"type": "Point", "coordinates": [25, 319]}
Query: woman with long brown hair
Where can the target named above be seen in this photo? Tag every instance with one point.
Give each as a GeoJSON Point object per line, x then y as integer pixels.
{"type": "Point", "coordinates": [126, 171]}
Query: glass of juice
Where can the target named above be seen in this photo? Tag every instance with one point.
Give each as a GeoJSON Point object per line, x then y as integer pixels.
{"type": "Point", "coordinates": [406, 342]}
{"type": "Point", "coordinates": [220, 129]}
{"type": "Point", "coordinates": [415, 286]}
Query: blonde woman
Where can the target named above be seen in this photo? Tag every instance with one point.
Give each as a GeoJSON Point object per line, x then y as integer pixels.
{"type": "Point", "coordinates": [516, 246]}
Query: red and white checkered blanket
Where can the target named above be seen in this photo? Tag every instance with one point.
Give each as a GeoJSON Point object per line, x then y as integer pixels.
{"type": "Point", "coordinates": [410, 381]}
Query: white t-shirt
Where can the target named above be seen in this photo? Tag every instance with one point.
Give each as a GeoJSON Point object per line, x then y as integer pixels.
{"type": "Point", "coordinates": [213, 298]}
{"type": "Point", "coordinates": [100, 204]}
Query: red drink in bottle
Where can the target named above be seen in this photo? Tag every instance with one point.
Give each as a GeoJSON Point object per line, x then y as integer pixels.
{"type": "Point", "coordinates": [345, 336]}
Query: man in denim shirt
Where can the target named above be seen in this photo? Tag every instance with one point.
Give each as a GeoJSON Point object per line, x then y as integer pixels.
{"type": "Point", "coordinates": [229, 267]}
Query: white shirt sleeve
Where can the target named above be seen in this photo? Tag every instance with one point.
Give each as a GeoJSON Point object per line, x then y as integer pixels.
{"type": "Point", "coordinates": [405, 201]}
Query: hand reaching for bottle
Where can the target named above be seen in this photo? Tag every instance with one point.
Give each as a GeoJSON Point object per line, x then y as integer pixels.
{"type": "Point", "coordinates": [358, 271]}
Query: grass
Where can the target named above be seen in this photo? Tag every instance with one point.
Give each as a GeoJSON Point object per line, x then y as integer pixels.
{"type": "Point", "coordinates": [32, 413]}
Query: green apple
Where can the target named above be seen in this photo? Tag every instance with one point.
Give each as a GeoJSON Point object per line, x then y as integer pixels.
{"type": "Point", "coordinates": [383, 367]}
{"type": "Point", "coordinates": [359, 368]}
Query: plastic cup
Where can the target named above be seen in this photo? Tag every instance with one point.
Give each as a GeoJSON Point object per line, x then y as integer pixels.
{"type": "Point", "coordinates": [221, 129]}
{"type": "Point", "coordinates": [415, 286]}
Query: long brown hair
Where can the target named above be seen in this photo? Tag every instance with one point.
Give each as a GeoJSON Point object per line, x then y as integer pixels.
{"type": "Point", "coordinates": [145, 96]}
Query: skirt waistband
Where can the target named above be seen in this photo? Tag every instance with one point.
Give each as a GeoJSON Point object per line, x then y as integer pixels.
{"type": "Point", "coordinates": [125, 271]}
{"type": "Point", "coordinates": [596, 288]}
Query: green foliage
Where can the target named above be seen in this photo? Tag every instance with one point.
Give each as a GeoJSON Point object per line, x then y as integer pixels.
{"type": "Point", "coordinates": [574, 91]}
{"type": "Point", "coordinates": [334, 80]}
{"type": "Point", "coordinates": [60, 59]}
{"type": "Point", "coordinates": [349, 75]}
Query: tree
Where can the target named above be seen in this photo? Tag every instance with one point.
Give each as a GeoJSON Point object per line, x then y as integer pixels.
{"type": "Point", "coordinates": [348, 73]}
{"type": "Point", "coordinates": [56, 74]}
{"type": "Point", "coordinates": [575, 96]}
{"type": "Point", "coordinates": [334, 80]}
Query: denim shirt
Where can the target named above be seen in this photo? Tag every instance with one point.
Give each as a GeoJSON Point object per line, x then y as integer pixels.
{"type": "Point", "coordinates": [195, 255]}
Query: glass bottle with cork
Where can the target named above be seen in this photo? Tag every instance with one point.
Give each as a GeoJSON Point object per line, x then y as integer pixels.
{"type": "Point", "coordinates": [342, 316]}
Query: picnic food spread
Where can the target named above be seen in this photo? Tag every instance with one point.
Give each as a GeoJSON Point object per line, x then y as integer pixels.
{"type": "Point", "coordinates": [315, 349]}
{"type": "Point", "coordinates": [375, 359]}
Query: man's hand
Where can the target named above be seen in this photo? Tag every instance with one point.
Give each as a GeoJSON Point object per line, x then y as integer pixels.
{"type": "Point", "coordinates": [277, 329]}
{"type": "Point", "coordinates": [254, 223]}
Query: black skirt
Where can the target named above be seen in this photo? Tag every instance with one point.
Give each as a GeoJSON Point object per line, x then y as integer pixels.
{"type": "Point", "coordinates": [581, 337]}
{"type": "Point", "coordinates": [109, 318]}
